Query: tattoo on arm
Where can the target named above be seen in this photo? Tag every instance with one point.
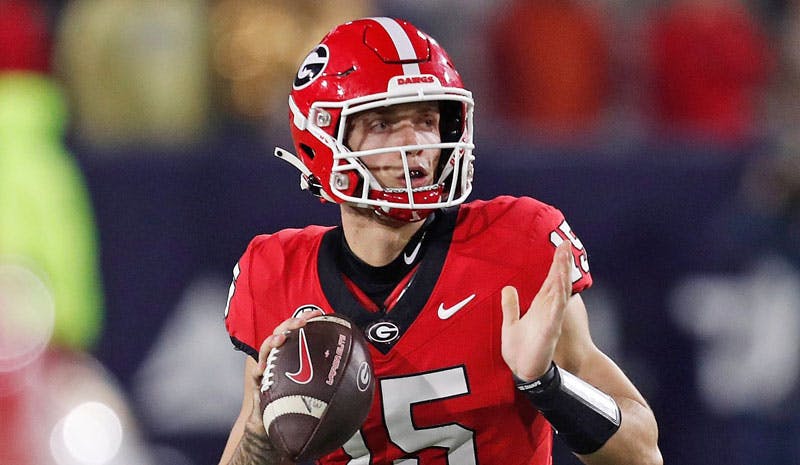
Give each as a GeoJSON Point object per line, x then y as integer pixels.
{"type": "Point", "coordinates": [255, 449]}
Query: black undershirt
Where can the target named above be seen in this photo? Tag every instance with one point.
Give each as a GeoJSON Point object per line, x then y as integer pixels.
{"type": "Point", "coordinates": [378, 282]}
{"type": "Point", "coordinates": [434, 240]}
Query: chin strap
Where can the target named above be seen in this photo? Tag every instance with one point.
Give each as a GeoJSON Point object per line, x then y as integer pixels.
{"type": "Point", "coordinates": [308, 181]}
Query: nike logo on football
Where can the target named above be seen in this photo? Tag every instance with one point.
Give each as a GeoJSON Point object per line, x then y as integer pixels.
{"type": "Point", "coordinates": [305, 372]}
{"type": "Point", "coordinates": [409, 259]}
{"type": "Point", "coordinates": [447, 312]}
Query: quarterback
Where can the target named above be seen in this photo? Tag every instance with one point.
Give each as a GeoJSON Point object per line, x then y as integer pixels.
{"type": "Point", "coordinates": [478, 334]}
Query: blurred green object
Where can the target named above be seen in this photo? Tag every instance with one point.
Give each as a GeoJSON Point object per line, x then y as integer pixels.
{"type": "Point", "coordinates": [46, 219]}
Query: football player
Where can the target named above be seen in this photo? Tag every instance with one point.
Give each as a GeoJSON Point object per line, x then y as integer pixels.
{"type": "Point", "coordinates": [479, 337]}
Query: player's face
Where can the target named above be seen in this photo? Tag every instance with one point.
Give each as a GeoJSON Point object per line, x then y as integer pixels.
{"type": "Point", "coordinates": [398, 125]}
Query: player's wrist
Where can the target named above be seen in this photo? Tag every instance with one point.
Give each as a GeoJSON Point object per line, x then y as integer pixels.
{"type": "Point", "coordinates": [582, 415]}
{"type": "Point", "coordinates": [255, 426]}
{"type": "Point", "coordinates": [537, 383]}
{"type": "Point", "coordinates": [255, 447]}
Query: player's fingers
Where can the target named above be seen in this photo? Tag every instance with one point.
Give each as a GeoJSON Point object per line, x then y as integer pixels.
{"type": "Point", "coordinates": [558, 280]}
{"type": "Point", "coordinates": [305, 316]}
{"type": "Point", "coordinates": [271, 342]}
{"type": "Point", "coordinates": [287, 325]}
{"type": "Point", "coordinates": [560, 264]}
{"type": "Point", "coordinates": [510, 304]}
{"type": "Point", "coordinates": [276, 339]}
{"type": "Point", "coordinates": [550, 301]}
{"type": "Point", "coordinates": [295, 323]}
{"type": "Point", "coordinates": [566, 261]}
{"type": "Point", "coordinates": [278, 336]}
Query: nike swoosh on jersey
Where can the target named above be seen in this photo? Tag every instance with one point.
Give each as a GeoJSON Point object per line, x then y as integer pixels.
{"type": "Point", "coordinates": [409, 259]}
{"type": "Point", "coordinates": [305, 372]}
{"type": "Point", "coordinates": [446, 312]}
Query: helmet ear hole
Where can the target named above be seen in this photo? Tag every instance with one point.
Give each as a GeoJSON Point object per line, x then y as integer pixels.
{"type": "Point", "coordinates": [308, 151]}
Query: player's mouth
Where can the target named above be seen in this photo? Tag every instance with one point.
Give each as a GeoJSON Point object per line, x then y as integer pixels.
{"type": "Point", "coordinates": [394, 176]}
{"type": "Point", "coordinates": [419, 177]}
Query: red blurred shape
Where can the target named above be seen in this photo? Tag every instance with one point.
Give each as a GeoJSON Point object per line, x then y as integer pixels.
{"type": "Point", "coordinates": [24, 36]}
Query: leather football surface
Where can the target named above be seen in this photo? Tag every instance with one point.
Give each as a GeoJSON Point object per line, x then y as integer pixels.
{"type": "Point", "coordinates": [317, 388]}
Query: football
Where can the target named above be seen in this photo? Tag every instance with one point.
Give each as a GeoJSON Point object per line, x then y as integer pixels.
{"type": "Point", "coordinates": [317, 388]}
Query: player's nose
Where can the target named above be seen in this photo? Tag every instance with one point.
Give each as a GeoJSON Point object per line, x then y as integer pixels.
{"type": "Point", "coordinates": [407, 134]}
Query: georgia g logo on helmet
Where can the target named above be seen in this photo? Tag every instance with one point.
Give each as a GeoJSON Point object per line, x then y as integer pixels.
{"type": "Point", "coordinates": [312, 66]}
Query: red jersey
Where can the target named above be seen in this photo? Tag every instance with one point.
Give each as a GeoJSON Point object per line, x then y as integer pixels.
{"type": "Point", "coordinates": [444, 395]}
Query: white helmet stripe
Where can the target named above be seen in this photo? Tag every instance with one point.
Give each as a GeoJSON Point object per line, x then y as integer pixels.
{"type": "Point", "coordinates": [401, 42]}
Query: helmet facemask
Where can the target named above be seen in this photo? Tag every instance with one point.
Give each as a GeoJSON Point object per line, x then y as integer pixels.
{"type": "Point", "coordinates": [352, 181]}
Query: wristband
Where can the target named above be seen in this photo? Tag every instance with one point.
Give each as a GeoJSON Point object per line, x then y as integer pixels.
{"type": "Point", "coordinates": [582, 415]}
{"type": "Point", "coordinates": [540, 384]}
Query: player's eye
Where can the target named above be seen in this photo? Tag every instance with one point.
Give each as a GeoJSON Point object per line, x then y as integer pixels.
{"type": "Point", "coordinates": [378, 125]}
{"type": "Point", "coordinates": [429, 119]}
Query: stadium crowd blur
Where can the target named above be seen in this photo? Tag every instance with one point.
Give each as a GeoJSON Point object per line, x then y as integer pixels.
{"type": "Point", "coordinates": [134, 167]}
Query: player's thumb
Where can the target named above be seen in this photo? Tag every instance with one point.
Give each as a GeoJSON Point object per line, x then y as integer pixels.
{"type": "Point", "coordinates": [510, 304]}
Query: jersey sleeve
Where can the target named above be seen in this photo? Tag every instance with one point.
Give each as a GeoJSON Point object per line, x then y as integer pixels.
{"type": "Point", "coordinates": [240, 318]}
{"type": "Point", "coordinates": [550, 230]}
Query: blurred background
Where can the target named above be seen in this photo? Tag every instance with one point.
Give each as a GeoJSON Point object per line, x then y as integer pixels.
{"type": "Point", "coordinates": [135, 165]}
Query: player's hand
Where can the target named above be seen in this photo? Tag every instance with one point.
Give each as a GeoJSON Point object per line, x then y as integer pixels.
{"type": "Point", "coordinates": [528, 343]}
{"type": "Point", "coordinates": [277, 339]}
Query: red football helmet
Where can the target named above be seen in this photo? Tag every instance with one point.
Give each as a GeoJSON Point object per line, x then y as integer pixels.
{"type": "Point", "coordinates": [363, 65]}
